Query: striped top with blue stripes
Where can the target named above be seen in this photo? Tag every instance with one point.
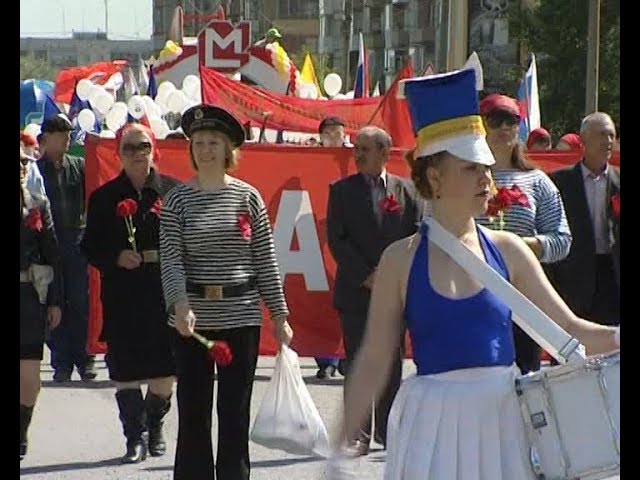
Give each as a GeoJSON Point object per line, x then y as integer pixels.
{"type": "Point", "coordinates": [544, 219]}
{"type": "Point", "coordinates": [201, 240]}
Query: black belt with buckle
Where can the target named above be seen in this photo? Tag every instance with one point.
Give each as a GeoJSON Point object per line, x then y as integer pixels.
{"type": "Point", "coordinates": [218, 292]}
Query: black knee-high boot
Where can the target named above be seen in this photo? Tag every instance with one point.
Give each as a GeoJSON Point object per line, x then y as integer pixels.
{"type": "Point", "coordinates": [25, 421]}
{"type": "Point", "coordinates": [157, 407]}
{"type": "Point", "coordinates": [132, 416]}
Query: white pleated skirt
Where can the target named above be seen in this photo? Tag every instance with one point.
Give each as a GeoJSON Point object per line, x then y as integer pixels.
{"type": "Point", "coordinates": [459, 425]}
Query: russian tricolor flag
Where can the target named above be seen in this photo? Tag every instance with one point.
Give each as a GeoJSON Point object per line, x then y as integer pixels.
{"type": "Point", "coordinates": [529, 101]}
{"type": "Point", "coordinates": [361, 86]}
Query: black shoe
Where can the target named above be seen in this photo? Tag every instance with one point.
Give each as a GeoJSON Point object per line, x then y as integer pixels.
{"type": "Point", "coordinates": [87, 371]}
{"type": "Point", "coordinates": [136, 452]}
{"type": "Point", "coordinates": [157, 407]}
{"type": "Point", "coordinates": [341, 365]}
{"type": "Point", "coordinates": [133, 418]}
{"type": "Point", "coordinates": [62, 375]}
{"type": "Point", "coordinates": [25, 421]}
{"type": "Point", "coordinates": [322, 373]}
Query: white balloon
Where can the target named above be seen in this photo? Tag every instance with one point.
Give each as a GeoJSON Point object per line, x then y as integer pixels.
{"type": "Point", "coordinates": [86, 120]}
{"type": "Point", "coordinates": [32, 129]}
{"type": "Point", "coordinates": [116, 118]}
{"type": "Point", "coordinates": [332, 84]}
{"type": "Point", "coordinates": [190, 85]}
{"type": "Point", "coordinates": [349, 94]}
{"type": "Point", "coordinates": [107, 134]}
{"type": "Point", "coordinates": [165, 88]}
{"type": "Point", "coordinates": [83, 89]}
{"type": "Point", "coordinates": [176, 101]}
{"type": "Point", "coordinates": [339, 96]}
{"type": "Point", "coordinates": [94, 93]}
{"type": "Point", "coordinates": [159, 128]}
{"type": "Point", "coordinates": [103, 103]}
{"type": "Point", "coordinates": [308, 90]}
{"type": "Point", "coordinates": [151, 107]}
{"type": "Point", "coordinates": [121, 108]}
{"type": "Point", "coordinates": [136, 107]}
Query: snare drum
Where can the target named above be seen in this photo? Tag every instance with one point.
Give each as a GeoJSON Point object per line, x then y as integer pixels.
{"type": "Point", "coordinates": [572, 416]}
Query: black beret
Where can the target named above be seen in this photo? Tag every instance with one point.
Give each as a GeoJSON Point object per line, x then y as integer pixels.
{"type": "Point", "coordinates": [57, 123]}
{"type": "Point", "coordinates": [208, 117]}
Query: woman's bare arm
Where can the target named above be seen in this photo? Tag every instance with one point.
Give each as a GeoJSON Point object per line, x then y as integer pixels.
{"type": "Point", "coordinates": [529, 278]}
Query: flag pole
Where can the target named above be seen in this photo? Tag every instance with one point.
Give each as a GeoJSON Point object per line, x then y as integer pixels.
{"type": "Point", "coordinates": [384, 97]}
{"type": "Point", "coordinates": [527, 121]}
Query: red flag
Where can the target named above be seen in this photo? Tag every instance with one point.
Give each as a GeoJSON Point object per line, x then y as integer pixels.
{"type": "Point", "coordinates": [394, 111]}
{"type": "Point", "coordinates": [98, 73]}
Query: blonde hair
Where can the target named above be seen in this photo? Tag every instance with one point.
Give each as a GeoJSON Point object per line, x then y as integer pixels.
{"type": "Point", "coordinates": [231, 155]}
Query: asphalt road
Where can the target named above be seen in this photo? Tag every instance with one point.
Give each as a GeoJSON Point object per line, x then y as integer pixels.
{"type": "Point", "coordinates": [76, 434]}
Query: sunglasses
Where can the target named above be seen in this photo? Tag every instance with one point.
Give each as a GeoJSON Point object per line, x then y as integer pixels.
{"type": "Point", "coordinates": [133, 148]}
{"type": "Point", "coordinates": [496, 119]}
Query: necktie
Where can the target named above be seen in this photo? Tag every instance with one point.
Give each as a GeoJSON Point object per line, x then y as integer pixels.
{"type": "Point", "coordinates": [377, 194]}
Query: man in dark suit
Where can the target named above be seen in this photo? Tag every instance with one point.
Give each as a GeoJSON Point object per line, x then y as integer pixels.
{"type": "Point", "coordinates": [367, 211]}
{"type": "Point", "coordinates": [589, 278]}
{"type": "Point", "coordinates": [63, 176]}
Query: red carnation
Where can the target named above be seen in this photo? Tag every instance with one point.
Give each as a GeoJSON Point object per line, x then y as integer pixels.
{"type": "Point", "coordinates": [615, 204]}
{"type": "Point", "coordinates": [518, 197]}
{"type": "Point", "coordinates": [244, 222]}
{"type": "Point", "coordinates": [389, 204]}
{"type": "Point", "coordinates": [219, 351]}
{"type": "Point", "coordinates": [500, 202]}
{"type": "Point", "coordinates": [34, 220]}
{"type": "Point", "coordinates": [156, 207]}
{"type": "Point", "coordinates": [127, 208]}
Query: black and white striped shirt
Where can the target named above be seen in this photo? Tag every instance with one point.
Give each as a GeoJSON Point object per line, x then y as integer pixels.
{"type": "Point", "coordinates": [201, 240]}
{"type": "Point", "coordinates": [545, 218]}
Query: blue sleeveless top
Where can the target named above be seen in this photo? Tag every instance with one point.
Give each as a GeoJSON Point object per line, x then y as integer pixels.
{"type": "Point", "coordinates": [451, 334]}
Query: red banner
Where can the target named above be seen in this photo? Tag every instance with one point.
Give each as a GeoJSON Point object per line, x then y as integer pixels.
{"type": "Point", "coordinates": [294, 184]}
{"type": "Point", "coordinates": [285, 112]}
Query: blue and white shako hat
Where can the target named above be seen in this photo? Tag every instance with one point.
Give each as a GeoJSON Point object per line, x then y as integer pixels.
{"type": "Point", "coordinates": [445, 114]}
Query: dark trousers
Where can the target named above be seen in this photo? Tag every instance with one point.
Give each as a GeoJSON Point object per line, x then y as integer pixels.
{"type": "Point", "coordinates": [68, 342]}
{"type": "Point", "coordinates": [194, 451]}
{"type": "Point", "coordinates": [353, 328]}
{"type": "Point", "coordinates": [527, 351]}
{"type": "Point", "coordinates": [605, 306]}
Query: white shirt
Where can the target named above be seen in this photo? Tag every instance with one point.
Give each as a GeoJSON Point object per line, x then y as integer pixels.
{"type": "Point", "coordinates": [595, 188]}
{"type": "Point", "coordinates": [35, 183]}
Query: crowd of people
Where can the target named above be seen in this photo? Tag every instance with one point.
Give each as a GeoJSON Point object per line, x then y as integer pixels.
{"type": "Point", "coordinates": [180, 260]}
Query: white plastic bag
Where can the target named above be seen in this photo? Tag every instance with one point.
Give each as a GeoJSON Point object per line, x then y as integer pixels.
{"type": "Point", "coordinates": [288, 419]}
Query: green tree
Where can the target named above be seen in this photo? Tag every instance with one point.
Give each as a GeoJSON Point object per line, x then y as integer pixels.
{"type": "Point", "coordinates": [556, 32]}
{"type": "Point", "coordinates": [33, 67]}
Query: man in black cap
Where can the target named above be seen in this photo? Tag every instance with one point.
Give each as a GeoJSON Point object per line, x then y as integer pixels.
{"type": "Point", "coordinates": [331, 130]}
{"type": "Point", "coordinates": [63, 176]}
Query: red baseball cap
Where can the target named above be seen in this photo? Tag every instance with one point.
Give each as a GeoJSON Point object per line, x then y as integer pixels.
{"type": "Point", "coordinates": [495, 102]}
{"type": "Point", "coordinates": [573, 140]}
{"type": "Point", "coordinates": [536, 135]}
{"type": "Point", "coordinates": [28, 140]}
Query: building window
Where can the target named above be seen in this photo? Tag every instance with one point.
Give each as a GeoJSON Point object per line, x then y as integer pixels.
{"type": "Point", "coordinates": [298, 9]}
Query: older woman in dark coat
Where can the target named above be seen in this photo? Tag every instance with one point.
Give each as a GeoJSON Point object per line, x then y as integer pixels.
{"type": "Point", "coordinates": [39, 296]}
{"type": "Point", "coordinates": [133, 311]}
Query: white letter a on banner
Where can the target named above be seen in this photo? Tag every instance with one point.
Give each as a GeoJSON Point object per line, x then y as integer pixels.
{"type": "Point", "coordinates": [295, 215]}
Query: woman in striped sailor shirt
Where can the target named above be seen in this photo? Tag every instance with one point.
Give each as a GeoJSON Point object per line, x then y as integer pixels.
{"type": "Point", "coordinates": [543, 224]}
{"type": "Point", "coordinates": [218, 261]}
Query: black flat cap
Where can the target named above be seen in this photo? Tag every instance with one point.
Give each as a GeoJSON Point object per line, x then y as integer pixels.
{"type": "Point", "coordinates": [57, 123]}
{"type": "Point", "coordinates": [329, 122]}
{"type": "Point", "coordinates": [208, 117]}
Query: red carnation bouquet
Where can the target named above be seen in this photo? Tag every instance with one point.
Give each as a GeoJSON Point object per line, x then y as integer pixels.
{"type": "Point", "coordinates": [503, 200]}
{"type": "Point", "coordinates": [219, 351]}
{"type": "Point", "coordinates": [126, 209]}
{"type": "Point", "coordinates": [33, 221]}
{"type": "Point", "coordinates": [390, 205]}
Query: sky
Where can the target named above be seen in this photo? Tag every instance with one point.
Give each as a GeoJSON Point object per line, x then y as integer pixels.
{"type": "Point", "coordinates": [128, 19]}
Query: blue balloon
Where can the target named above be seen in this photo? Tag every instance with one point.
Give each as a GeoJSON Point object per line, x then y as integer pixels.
{"type": "Point", "coordinates": [32, 100]}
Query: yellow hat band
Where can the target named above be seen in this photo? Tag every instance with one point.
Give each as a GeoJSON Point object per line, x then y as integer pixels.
{"type": "Point", "coordinates": [454, 127]}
